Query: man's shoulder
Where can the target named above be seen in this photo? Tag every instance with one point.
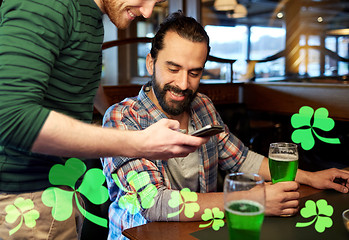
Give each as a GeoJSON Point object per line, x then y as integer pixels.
{"type": "Point", "coordinates": [131, 103]}
{"type": "Point", "coordinates": [129, 107]}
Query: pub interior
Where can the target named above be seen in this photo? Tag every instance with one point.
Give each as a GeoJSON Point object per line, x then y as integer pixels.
{"type": "Point", "coordinates": [268, 59]}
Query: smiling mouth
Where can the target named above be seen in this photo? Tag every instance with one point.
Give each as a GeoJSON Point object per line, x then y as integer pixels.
{"type": "Point", "coordinates": [131, 14]}
{"type": "Point", "coordinates": [177, 97]}
{"type": "Point", "coordinates": [176, 94]}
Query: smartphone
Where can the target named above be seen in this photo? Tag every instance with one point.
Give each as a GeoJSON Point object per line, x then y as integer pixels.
{"type": "Point", "coordinates": [208, 131]}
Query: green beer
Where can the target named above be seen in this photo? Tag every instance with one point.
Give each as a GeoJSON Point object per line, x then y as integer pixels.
{"type": "Point", "coordinates": [283, 167]}
{"type": "Point", "coordinates": [245, 218]}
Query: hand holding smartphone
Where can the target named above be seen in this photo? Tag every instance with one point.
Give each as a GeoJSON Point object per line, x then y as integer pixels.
{"type": "Point", "coordinates": [208, 131]}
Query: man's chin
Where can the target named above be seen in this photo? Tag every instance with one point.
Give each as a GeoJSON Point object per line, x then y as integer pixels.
{"type": "Point", "coordinates": [121, 25]}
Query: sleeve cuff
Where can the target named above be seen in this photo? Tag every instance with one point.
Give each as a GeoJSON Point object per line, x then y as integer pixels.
{"type": "Point", "coordinates": [252, 162]}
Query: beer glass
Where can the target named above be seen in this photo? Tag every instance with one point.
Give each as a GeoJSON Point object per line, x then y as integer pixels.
{"type": "Point", "coordinates": [244, 203]}
{"type": "Point", "coordinates": [283, 162]}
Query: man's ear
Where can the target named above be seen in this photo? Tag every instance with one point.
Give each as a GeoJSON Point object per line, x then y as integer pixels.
{"type": "Point", "coordinates": [150, 64]}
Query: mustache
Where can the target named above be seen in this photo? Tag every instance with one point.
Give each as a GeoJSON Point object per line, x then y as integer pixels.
{"type": "Point", "coordinates": [186, 92]}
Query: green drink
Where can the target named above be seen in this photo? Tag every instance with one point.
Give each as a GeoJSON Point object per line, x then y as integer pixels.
{"type": "Point", "coordinates": [283, 167]}
{"type": "Point", "coordinates": [245, 218]}
{"type": "Point", "coordinates": [283, 162]}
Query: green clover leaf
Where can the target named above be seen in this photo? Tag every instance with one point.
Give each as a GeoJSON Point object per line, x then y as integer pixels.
{"type": "Point", "coordinates": [215, 215]}
{"type": "Point", "coordinates": [68, 174]}
{"type": "Point", "coordinates": [61, 199]}
{"type": "Point", "coordinates": [303, 120]}
{"type": "Point", "coordinates": [305, 137]}
{"type": "Point", "coordinates": [187, 199]}
{"type": "Point", "coordinates": [23, 208]}
{"type": "Point", "coordinates": [61, 202]}
{"type": "Point", "coordinates": [322, 121]}
{"type": "Point", "coordinates": [142, 187]}
{"type": "Point", "coordinates": [92, 186]}
{"type": "Point", "coordinates": [322, 223]}
{"type": "Point", "coordinates": [324, 208]}
{"type": "Point", "coordinates": [322, 217]}
{"type": "Point", "coordinates": [309, 210]}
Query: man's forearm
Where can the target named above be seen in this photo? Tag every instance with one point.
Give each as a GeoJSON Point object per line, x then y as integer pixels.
{"type": "Point", "coordinates": [65, 136]}
{"type": "Point", "coordinates": [264, 170]}
{"type": "Point", "coordinates": [205, 200]}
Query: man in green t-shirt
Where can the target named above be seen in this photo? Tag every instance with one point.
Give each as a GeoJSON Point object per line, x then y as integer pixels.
{"type": "Point", "coordinates": [50, 67]}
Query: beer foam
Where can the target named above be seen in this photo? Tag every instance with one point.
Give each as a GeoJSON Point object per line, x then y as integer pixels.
{"type": "Point", "coordinates": [283, 157]}
{"type": "Point", "coordinates": [257, 204]}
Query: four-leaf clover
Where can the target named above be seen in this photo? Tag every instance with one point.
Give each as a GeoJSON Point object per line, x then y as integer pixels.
{"type": "Point", "coordinates": [23, 208]}
{"type": "Point", "coordinates": [187, 199]}
{"type": "Point", "coordinates": [215, 215]}
{"type": "Point", "coordinates": [322, 217]}
{"type": "Point", "coordinates": [142, 188]}
{"type": "Point", "coordinates": [61, 199]}
{"type": "Point", "coordinates": [303, 120]}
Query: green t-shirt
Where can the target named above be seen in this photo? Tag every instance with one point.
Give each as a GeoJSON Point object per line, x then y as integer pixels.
{"type": "Point", "coordinates": [50, 59]}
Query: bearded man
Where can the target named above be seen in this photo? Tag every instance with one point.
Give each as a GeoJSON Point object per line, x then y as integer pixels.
{"type": "Point", "coordinates": [141, 189]}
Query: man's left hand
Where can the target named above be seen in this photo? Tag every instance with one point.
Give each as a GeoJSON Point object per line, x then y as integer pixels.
{"type": "Point", "coordinates": [330, 179]}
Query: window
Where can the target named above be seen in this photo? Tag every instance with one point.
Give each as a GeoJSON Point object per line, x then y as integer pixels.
{"type": "Point", "coordinates": [343, 51]}
{"type": "Point", "coordinates": [228, 43]}
{"type": "Point", "coordinates": [266, 42]}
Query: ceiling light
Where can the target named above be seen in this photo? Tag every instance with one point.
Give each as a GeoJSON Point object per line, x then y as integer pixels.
{"type": "Point", "coordinates": [343, 32]}
{"type": "Point", "coordinates": [240, 11]}
{"type": "Point", "coordinates": [225, 5]}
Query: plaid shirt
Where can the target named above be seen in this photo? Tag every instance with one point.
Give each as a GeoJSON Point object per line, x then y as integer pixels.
{"type": "Point", "coordinates": [223, 150]}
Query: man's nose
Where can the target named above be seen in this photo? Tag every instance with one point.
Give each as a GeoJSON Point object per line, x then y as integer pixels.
{"type": "Point", "coordinates": [147, 8]}
{"type": "Point", "coordinates": [182, 82]}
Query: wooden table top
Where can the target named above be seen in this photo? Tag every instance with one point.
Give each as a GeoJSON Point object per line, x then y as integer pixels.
{"type": "Point", "coordinates": [182, 230]}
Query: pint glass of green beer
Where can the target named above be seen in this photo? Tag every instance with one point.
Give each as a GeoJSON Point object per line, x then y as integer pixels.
{"type": "Point", "coordinates": [283, 162]}
{"type": "Point", "coordinates": [244, 203]}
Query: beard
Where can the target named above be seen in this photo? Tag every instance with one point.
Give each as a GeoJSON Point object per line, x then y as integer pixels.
{"type": "Point", "coordinates": [115, 12]}
{"type": "Point", "coordinates": [172, 107]}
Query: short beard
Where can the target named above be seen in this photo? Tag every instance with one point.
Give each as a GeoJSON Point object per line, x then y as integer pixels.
{"type": "Point", "coordinates": [113, 10]}
{"type": "Point", "coordinates": [178, 107]}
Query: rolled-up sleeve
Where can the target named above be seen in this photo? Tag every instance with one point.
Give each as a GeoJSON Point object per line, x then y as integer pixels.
{"type": "Point", "coordinates": [252, 162]}
{"type": "Point", "coordinates": [159, 209]}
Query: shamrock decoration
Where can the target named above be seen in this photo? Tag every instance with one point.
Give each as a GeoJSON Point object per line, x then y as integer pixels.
{"type": "Point", "coordinates": [137, 182]}
{"type": "Point", "coordinates": [187, 199]}
{"type": "Point", "coordinates": [24, 209]}
{"type": "Point", "coordinates": [303, 120]}
{"type": "Point", "coordinates": [215, 215]}
{"type": "Point", "coordinates": [91, 187]}
{"type": "Point", "coordinates": [322, 217]}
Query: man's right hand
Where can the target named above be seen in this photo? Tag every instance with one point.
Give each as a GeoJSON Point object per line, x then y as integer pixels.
{"type": "Point", "coordinates": [282, 198]}
{"type": "Point", "coordinates": [162, 140]}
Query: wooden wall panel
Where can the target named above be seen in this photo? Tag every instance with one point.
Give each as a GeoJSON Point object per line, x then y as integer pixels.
{"type": "Point", "coordinates": [287, 98]}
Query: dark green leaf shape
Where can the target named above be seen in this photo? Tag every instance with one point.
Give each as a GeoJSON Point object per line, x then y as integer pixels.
{"type": "Point", "coordinates": [92, 186]}
{"type": "Point", "coordinates": [305, 136]}
{"type": "Point", "coordinates": [61, 200]}
{"type": "Point", "coordinates": [68, 174]}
